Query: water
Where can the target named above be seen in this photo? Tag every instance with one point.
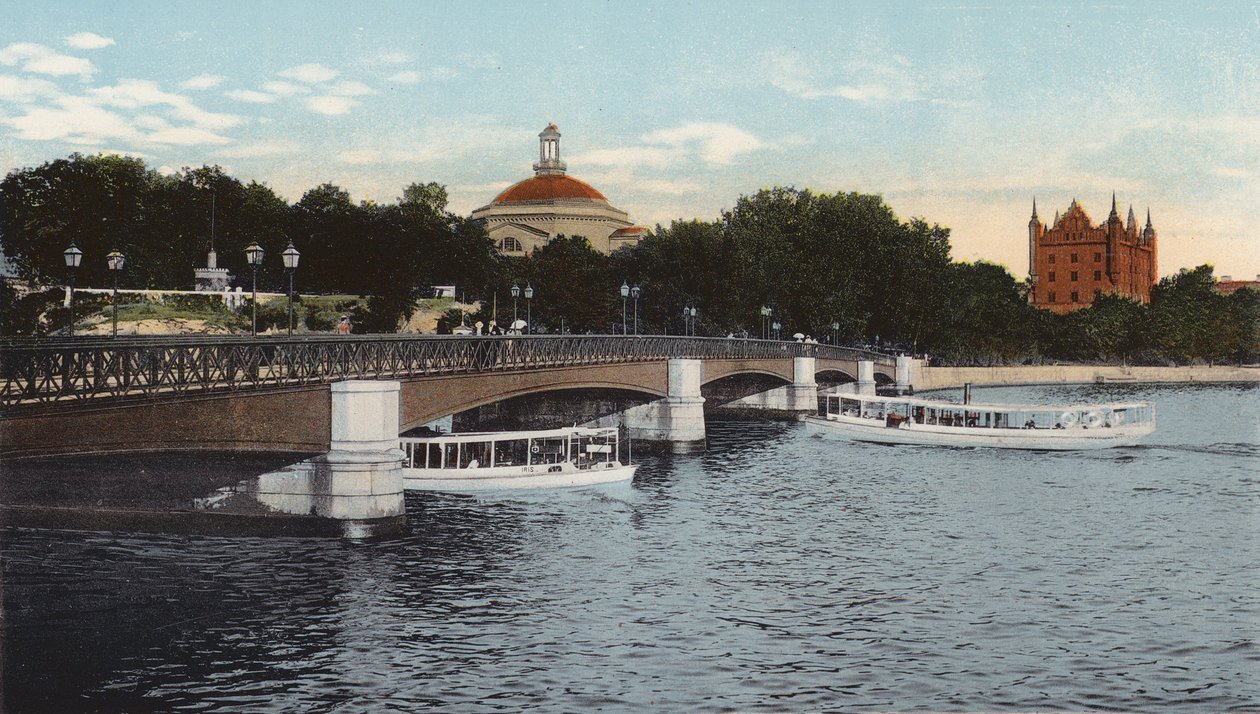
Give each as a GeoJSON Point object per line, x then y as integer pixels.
{"type": "Point", "coordinates": [776, 572]}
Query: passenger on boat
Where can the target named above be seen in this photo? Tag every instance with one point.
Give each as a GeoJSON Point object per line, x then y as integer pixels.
{"type": "Point", "coordinates": [1058, 425]}
{"type": "Point", "coordinates": [1030, 424]}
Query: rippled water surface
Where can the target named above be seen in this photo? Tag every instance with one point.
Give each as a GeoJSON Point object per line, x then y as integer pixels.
{"type": "Point", "coordinates": [776, 572]}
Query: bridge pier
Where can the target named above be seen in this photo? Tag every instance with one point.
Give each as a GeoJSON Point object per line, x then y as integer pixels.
{"type": "Point", "coordinates": [359, 481]}
{"type": "Point", "coordinates": [908, 371]}
{"type": "Point", "coordinates": [678, 418]}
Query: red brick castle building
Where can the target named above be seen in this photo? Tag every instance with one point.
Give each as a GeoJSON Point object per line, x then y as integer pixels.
{"type": "Point", "coordinates": [1073, 261]}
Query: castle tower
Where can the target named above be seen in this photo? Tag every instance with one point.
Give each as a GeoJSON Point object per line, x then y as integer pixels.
{"type": "Point", "coordinates": [1035, 230]}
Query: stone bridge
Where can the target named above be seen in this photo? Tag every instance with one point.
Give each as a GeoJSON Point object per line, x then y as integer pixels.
{"type": "Point", "coordinates": [272, 393]}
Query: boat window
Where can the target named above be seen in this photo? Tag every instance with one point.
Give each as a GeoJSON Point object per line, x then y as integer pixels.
{"type": "Point", "coordinates": [547, 451]}
{"type": "Point", "coordinates": [435, 456]}
{"type": "Point", "coordinates": [450, 455]}
{"type": "Point", "coordinates": [513, 452]}
{"type": "Point", "coordinates": [474, 454]}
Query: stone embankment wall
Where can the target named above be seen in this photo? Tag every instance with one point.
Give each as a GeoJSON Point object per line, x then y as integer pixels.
{"type": "Point", "coordinates": [928, 378]}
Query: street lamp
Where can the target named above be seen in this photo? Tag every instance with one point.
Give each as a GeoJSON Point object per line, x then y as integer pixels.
{"type": "Point", "coordinates": [625, 293]}
{"type": "Point", "coordinates": [290, 257]}
{"type": "Point", "coordinates": [693, 322]}
{"type": "Point", "coordinates": [835, 332]}
{"type": "Point", "coordinates": [529, 309]}
{"type": "Point", "coordinates": [774, 329]}
{"type": "Point", "coordinates": [765, 322]}
{"type": "Point", "coordinates": [516, 292]}
{"type": "Point", "coordinates": [634, 293]}
{"type": "Point", "coordinates": [115, 261]}
{"type": "Point", "coordinates": [254, 255]}
{"type": "Point", "coordinates": [74, 256]}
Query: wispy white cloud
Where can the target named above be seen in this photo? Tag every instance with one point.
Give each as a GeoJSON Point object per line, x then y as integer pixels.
{"type": "Point", "coordinates": [890, 81]}
{"type": "Point", "coordinates": [186, 136]}
{"type": "Point", "coordinates": [714, 143]}
{"type": "Point", "coordinates": [39, 59]}
{"type": "Point", "coordinates": [21, 90]}
{"type": "Point", "coordinates": [88, 41]}
{"type": "Point", "coordinates": [202, 81]}
{"type": "Point", "coordinates": [262, 149]}
{"type": "Point", "coordinates": [309, 73]}
{"type": "Point", "coordinates": [628, 156]}
{"type": "Point", "coordinates": [394, 57]}
{"type": "Point", "coordinates": [135, 93]}
{"type": "Point", "coordinates": [331, 106]}
{"type": "Point", "coordinates": [284, 89]}
{"type": "Point", "coordinates": [249, 95]}
{"type": "Point", "coordinates": [349, 89]}
{"type": "Point", "coordinates": [76, 120]}
{"type": "Point", "coordinates": [360, 156]}
{"type": "Point", "coordinates": [407, 77]}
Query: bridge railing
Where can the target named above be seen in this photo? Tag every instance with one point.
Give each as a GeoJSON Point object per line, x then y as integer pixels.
{"type": "Point", "coordinates": [69, 371]}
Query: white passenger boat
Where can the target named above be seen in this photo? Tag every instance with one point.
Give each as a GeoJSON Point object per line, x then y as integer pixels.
{"type": "Point", "coordinates": [478, 461]}
{"type": "Point", "coordinates": [907, 420]}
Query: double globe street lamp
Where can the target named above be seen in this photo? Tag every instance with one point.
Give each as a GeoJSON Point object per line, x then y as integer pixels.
{"type": "Point", "coordinates": [73, 257]}
{"type": "Point", "coordinates": [254, 256]}
{"type": "Point", "coordinates": [529, 307]}
{"type": "Point", "coordinates": [290, 257]}
{"type": "Point", "coordinates": [689, 321]}
{"type": "Point", "coordinates": [766, 312]}
{"type": "Point", "coordinates": [115, 260]}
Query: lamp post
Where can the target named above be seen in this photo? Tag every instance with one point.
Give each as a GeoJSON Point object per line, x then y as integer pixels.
{"type": "Point", "coordinates": [835, 332]}
{"type": "Point", "coordinates": [765, 322]}
{"type": "Point", "coordinates": [774, 329]}
{"type": "Point", "coordinates": [254, 255]}
{"type": "Point", "coordinates": [625, 293]}
{"type": "Point", "coordinates": [516, 293]}
{"type": "Point", "coordinates": [74, 256]}
{"type": "Point", "coordinates": [115, 261]}
{"type": "Point", "coordinates": [634, 293]}
{"type": "Point", "coordinates": [290, 257]}
{"type": "Point", "coordinates": [529, 309]}
{"type": "Point", "coordinates": [693, 321]}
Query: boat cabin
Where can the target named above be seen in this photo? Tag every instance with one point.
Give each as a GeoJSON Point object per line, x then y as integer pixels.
{"type": "Point", "coordinates": [584, 448]}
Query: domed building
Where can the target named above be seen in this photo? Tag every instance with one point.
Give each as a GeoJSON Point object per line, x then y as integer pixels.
{"type": "Point", "coordinates": [529, 213]}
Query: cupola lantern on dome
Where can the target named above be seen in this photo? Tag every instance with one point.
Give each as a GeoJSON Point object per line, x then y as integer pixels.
{"type": "Point", "coordinates": [549, 163]}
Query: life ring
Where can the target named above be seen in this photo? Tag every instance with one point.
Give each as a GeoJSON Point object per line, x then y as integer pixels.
{"type": "Point", "coordinates": [1093, 420]}
{"type": "Point", "coordinates": [1067, 418]}
{"type": "Point", "coordinates": [535, 448]}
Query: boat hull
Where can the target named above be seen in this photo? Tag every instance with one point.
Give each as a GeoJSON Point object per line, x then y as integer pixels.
{"type": "Point", "coordinates": [876, 431]}
{"type": "Point", "coordinates": [498, 479]}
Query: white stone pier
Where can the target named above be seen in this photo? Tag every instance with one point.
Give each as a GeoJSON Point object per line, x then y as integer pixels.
{"type": "Point", "coordinates": [677, 419]}
{"type": "Point", "coordinates": [359, 481]}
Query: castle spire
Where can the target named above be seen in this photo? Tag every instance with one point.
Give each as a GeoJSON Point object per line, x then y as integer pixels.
{"type": "Point", "coordinates": [1148, 217]}
{"type": "Point", "coordinates": [1034, 215]}
{"type": "Point", "coordinates": [1114, 212]}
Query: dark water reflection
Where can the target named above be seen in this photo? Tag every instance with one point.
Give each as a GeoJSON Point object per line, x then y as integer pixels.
{"type": "Point", "coordinates": [775, 572]}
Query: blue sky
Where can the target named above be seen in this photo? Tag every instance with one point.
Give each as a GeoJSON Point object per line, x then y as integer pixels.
{"type": "Point", "coordinates": [959, 113]}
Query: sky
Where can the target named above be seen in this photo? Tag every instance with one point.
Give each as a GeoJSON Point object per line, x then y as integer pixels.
{"type": "Point", "coordinates": [957, 112]}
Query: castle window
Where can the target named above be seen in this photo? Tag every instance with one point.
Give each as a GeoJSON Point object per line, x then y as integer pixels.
{"type": "Point", "coordinates": [1097, 257]}
{"type": "Point", "coordinates": [1073, 276]}
{"type": "Point", "coordinates": [1052, 258]}
{"type": "Point", "coordinates": [1075, 297]}
{"type": "Point", "coordinates": [512, 245]}
{"type": "Point", "coordinates": [1052, 298]}
{"type": "Point", "coordinates": [1052, 276]}
{"type": "Point", "coordinates": [1074, 257]}
{"type": "Point", "coordinates": [1097, 275]}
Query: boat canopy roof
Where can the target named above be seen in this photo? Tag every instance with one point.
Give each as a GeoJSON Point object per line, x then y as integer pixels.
{"type": "Point", "coordinates": [979, 406]}
{"type": "Point", "coordinates": [468, 436]}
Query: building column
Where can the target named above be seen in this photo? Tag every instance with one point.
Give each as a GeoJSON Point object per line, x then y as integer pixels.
{"type": "Point", "coordinates": [359, 481]}
{"type": "Point", "coordinates": [678, 418]}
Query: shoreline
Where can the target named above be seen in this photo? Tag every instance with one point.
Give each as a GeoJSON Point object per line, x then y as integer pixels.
{"type": "Point", "coordinates": [933, 378]}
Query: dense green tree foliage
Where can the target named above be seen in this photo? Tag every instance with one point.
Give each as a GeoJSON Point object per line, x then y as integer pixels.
{"type": "Point", "coordinates": [815, 259]}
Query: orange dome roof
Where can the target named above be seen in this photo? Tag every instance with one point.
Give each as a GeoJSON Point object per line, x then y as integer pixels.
{"type": "Point", "coordinates": [547, 188]}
